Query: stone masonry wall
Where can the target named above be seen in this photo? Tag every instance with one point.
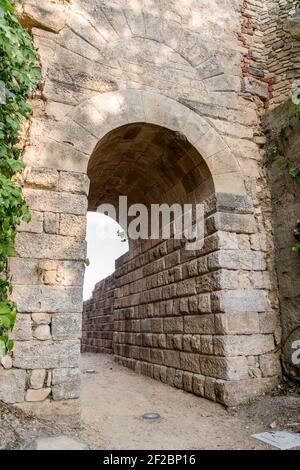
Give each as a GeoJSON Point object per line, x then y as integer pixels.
{"type": "Point", "coordinates": [201, 321]}
{"type": "Point", "coordinates": [271, 63]}
{"type": "Point", "coordinates": [98, 318]}
{"type": "Point", "coordinates": [48, 274]}
{"type": "Point", "coordinates": [178, 65]}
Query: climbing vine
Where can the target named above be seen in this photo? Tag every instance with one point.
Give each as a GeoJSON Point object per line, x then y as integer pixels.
{"type": "Point", "coordinates": [277, 147]}
{"type": "Point", "coordinates": [19, 75]}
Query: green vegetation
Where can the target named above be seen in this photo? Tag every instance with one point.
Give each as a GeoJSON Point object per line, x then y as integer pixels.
{"type": "Point", "coordinates": [19, 75]}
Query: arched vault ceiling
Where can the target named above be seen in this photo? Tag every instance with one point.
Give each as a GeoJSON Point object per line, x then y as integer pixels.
{"type": "Point", "coordinates": [147, 163]}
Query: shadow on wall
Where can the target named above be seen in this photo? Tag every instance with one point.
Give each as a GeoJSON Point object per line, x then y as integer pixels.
{"type": "Point", "coordinates": [286, 211]}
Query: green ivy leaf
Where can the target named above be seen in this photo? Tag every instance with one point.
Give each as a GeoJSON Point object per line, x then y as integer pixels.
{"type": "Point", "coordinates": [19, 73]}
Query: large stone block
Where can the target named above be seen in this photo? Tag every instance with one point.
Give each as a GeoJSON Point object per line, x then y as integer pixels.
{"type": "Point", "coordinates": [22, 330]}
{"type": "Point", "coordinates": [237, 259]}
{"type": "Point", "coordinates": [37, 378]}
{"type": "Point", "coordinates": [270, 365]}
{"type": "Point", "coordinates": [255, 87]}
{"type": "Point", "coordinates": [37, 395]}
{"type": "Point", "coordinates": [52, 154]}
{"type": "Point", "coordinates": [51, 299]}
{"type": "Point", "coordinates": [72, 225]}
{"type": "Point", "coordinates": [46, 354]}
{"type": "Point", "coordinates": [35, 225]}
{"type": "Point", "coordinates": [63, 375]}
{"type": "Point", "coordinates": [66, 391]}
{"type": "Point", "coordinates": [237, 323]}
{"type": "Point", "coordinates": [31, 245]}
{"type": "Point", "coordinates": [241, 391]}
{"type": "Point", "coordinates": [53, 201]}
{"type": "Point", "coordinates": [199, 324]}
{"type": "Point", "coordinates": [42, 14]}
{"type": "Point", "coordinates": [237, 223]}
{"type": "Point", "coordinates": [66, 326]}
{"type": "Point", "coordinates": [71, 182]}
{"type": "Point", "coordinates": [247, 300]}
{"type": "Point", "coordinates": [190, 362]}
{"type": "Point", "coordinates": [248, 345]}
{"type": "Point", "coordinates": [42, 178]}
{"type": "Point", "coordinates": [29, 271]}
{"type": "Point", "coordinates": [228, 368]}
{"type": "Point", "coordinates": [12, 385]}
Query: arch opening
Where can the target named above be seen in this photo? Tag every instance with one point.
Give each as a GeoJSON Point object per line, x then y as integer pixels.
{"type": "Point", "coordinates": [150, 164]}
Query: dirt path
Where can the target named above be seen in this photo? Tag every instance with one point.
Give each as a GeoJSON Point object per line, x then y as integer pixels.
{"type": "Point", "coordinates": [114, 399]}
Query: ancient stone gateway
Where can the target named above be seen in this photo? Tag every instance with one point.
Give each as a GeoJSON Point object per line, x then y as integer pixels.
{"type": "Point", "coordinates": [149, 102]}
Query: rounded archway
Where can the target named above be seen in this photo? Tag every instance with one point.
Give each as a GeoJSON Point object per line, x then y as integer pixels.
{"type": "Point", "coordinates": [148, 164]}
{"type": "Point", "coordinates": [84, 126]}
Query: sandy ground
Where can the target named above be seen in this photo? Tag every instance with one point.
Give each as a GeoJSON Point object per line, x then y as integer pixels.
{"type": "Point", "coordinates": [115, 398]}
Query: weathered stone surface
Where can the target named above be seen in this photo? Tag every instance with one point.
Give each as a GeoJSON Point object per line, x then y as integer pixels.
{"type": "Point", "coordinates": [37, 378]}
{"type": "Point", "coordinates": [66, 390]}
{"type": "Point", "coordinates": [255, 87]}
{"type": "Point", "coordinates": [6, 362]}
{"type": "Point", "coordinates": [58, 202]}
{"type": "Point", "coordinates": [22, 330]}
{"type": "Point", "coordinates": [51, 222]}
{"type": "Point", "coordinates": [30, 245]}
{"type": "Point", "coordinates": [237, 323]}
{"type": "Point", "coordinates": [43, 178]}
{"type": "Point", "coordinates": [285, 207]}
{"type": "Point", "coordinates": [60, 376]}
{"type": "Point", "coordinates": [43, 15]}
{"type": "Point", "coordinates": [42, 332]}
{"type": "Point", "coordinates": [247, 300]}
{"type": "Point", "coordinates": [39, 299]}
{"type": "Point", "coordinates": [41, 318]}
{"type": "Point", "coordinates": [71, 182]}
{"type": "Point", "coordinates": [238, 223]}
{"type": "Point", "coordinates": [35, 225]}
{"type": "Point", "coordinates": [37, 395]}
{"type": "Point", "coordinates": [32, 271]}
{"type": "Point", "coordinates": [240, 391]}
{"type": "Point", "coordinates": [12, 385]}
{"type": "Point", "coordinates": [247, 345]}
{"type": "Point", "coordinates": [72, 225]}
{"type": "Point", "coordinates": [66, 326]}
{"type": "Point", "coordinates": [228, 368]}
{"type": "Point", "coordinates": [46, 354]}
{"type": "Point", "coordinates": [293, 25]}
{"type": "Point", "coordinates": [270, 365]}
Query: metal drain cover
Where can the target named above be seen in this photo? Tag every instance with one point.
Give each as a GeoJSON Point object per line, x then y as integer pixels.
{"type": "Point", "coordinates": [151, 416]}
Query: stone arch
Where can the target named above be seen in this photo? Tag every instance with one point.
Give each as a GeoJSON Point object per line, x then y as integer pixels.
{"type": "Point", "coordinates": [223, 292]}
{"type": "Point", "coordinates": [211, 297]}
{"type": "Point", "coordinates": [89, 122]}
